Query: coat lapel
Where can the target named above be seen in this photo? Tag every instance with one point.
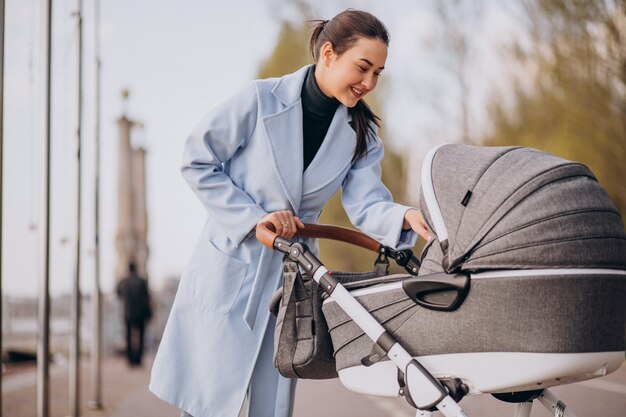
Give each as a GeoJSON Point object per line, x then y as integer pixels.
{"type": "Point", "coordinates": [334, 155]}
{"type": "Point", "coordinates": [283, 130]}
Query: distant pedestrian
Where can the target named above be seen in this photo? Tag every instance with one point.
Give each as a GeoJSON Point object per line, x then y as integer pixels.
{"type": "Point", "coordinates": [133, 291]}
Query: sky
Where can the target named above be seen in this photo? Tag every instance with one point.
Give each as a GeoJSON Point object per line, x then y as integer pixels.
{"type": "Point", "coordinates": [179, 59]}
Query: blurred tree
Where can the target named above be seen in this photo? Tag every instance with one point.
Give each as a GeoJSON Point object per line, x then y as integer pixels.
{"type": "Point", "coordinates": [458, 20]}
{"type": "Point", "coordinates": [574, 102]}
{"type": "Point", "coordinates": [291, 52]}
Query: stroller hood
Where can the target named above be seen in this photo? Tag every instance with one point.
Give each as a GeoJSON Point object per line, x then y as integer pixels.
{"type": "Point", "coordinates": [516, 207]}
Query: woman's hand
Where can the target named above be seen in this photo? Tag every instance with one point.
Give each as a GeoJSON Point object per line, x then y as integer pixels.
{"type": "Point", "coordinates": [285, 223]}
{"type": "Point", "coordinates": [413, 218]}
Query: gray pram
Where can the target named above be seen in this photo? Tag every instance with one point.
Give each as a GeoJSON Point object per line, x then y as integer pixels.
{"type": "Point", "coordinates": [522, 288]}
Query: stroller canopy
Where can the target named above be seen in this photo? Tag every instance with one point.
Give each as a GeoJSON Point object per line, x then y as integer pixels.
{"type": "Point", "coordinates": [516, 207]}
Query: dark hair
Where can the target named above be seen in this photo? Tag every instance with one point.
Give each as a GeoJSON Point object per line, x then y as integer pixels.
{"type": "Point", "coordinates": [343, 31]}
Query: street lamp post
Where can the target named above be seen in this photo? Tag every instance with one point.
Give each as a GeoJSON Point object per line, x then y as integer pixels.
{"type": "Point", "coordinates": [96, 297]}
{"type": "Point", "coordinates": [74, 368]}
{"type": "Point", "coordinates": [1, 169]}
{"type": "Point", "coordinates": [43, 313]}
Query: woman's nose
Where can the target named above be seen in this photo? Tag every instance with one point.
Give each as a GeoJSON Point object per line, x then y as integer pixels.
{"type": "Point", "coordinates": [369, 82]}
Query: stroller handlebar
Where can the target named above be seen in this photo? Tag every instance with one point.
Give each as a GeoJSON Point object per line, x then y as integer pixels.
{"type": "Point", "coordinates": [266, 234]}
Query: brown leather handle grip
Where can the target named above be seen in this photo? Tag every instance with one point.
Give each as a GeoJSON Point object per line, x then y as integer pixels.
{"type": "Point", "coordinates": [266, 234]}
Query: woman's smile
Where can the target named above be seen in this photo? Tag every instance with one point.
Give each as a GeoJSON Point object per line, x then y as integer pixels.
{"type": "Point", "coordinates": [357, 93]}
{"type": "Point", "coordinates": [350, 76]}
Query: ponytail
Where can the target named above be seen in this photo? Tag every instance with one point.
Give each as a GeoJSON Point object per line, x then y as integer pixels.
{"type": "Point", "coordinates": [363, 121]}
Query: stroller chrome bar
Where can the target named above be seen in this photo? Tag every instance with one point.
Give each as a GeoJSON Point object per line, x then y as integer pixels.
{"type": "Point", "coordinates": [553, 404]}
{"type": "Point", "coordinates": [422, 388]}
{"type": "Point", "coordinates": [523, 409]}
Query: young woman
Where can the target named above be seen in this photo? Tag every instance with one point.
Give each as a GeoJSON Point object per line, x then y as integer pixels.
{"type": "Point", "coordinates": [277, 151]}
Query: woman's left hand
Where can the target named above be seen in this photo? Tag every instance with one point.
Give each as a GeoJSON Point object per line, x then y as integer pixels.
{"type": "Point", "coordinates": [413, 218]}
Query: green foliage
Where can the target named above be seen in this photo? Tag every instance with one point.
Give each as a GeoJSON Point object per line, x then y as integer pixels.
{"type": "Point", "coordinates": [576, 105]}
{"type": "Point", "coordinates": [291, 52]}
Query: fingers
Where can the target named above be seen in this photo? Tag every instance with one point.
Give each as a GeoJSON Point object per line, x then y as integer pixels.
{"type": "Point", "coordinates": [422, 227]}
{"type": "Point", "coordinates": [418, 224]}
{"type": "Point", "coordinates": [289, 225]}
{"type": "Point", "coordinates": [284, 222]}
{"type": "Point", "coordinates": [422, 231]}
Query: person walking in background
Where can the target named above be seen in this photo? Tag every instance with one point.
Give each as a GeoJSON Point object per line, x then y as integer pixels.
{"type": "Point", "coordinates": [275, 152]}
{"type": "Point", "coordinates": [133, 291]}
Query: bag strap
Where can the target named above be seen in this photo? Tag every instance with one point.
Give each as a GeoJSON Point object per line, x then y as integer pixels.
{"type": "Point", "coordinates": [286, 321]}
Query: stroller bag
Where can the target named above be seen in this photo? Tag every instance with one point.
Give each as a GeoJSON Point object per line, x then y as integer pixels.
{"type": "Point", "coordinates": [302, 345]}
{"type": "Point", "coordinates": [301, 348]}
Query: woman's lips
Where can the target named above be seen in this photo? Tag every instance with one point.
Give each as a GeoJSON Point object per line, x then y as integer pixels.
{"type": "Point", "coordinates": [358, 93]}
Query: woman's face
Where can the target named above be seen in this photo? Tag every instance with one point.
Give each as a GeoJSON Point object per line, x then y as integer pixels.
{"type": "Point", "coordinates": [350, 76]}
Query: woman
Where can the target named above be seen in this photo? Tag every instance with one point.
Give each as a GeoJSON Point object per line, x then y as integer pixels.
{"type": "Point", "coordinates": [276, 151]}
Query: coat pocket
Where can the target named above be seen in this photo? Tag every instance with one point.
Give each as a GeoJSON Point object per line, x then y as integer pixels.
{"type": "Point", "coordinates": [218, 279]}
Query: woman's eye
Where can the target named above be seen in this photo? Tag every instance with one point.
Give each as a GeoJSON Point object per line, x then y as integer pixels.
{"type": "Point", "coordinates": [378, 74]}
{"type": "Point", "coordinates": [362, 69]}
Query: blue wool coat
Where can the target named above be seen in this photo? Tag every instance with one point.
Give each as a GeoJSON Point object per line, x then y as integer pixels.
{"type": "Point", "coordinates": [244, 160]}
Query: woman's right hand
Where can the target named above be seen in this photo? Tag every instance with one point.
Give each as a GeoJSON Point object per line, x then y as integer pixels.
{"type": "Point", "coordinates": [285, 223]}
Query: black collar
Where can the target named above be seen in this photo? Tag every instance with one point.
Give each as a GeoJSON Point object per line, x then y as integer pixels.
{"type": "Point", "coordinates": [314, 100]}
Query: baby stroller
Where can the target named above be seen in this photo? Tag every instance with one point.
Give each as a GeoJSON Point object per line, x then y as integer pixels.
{"type": "Point", "coordinates": [521, 289]}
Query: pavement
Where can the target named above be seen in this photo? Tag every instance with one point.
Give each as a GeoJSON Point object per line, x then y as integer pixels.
{"type": "Point", "coordinates": [125, 394]}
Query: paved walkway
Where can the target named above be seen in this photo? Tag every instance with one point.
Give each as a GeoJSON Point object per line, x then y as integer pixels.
{"type": "Point", "coordinates": [125, 394]}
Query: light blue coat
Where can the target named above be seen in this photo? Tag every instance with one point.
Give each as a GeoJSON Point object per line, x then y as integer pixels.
{"type": "Point", "coordinates": [244, 160]}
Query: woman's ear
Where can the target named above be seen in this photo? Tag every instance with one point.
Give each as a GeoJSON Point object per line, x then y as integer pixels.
{"type": "Point", "coordinates": [328, 53]}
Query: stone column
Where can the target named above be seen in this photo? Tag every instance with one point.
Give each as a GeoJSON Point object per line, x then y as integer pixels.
{"type": "Point", "coordinates": [125, 239]}
{"type": "Point", "coordinates": [140, 211]}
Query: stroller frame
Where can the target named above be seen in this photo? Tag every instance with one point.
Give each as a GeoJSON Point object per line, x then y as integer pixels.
{"type": "Point", "coordinates": [420, 388]}
{"type": "Point", "coordinates": [523, 409]}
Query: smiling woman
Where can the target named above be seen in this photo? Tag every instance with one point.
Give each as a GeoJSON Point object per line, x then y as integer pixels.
{"type": "Point", "coordinates": [275, 152]}
{"type": "Point", "coordinates": [350, 51]}
{"type": "Point", "coordinates": [351, 75]}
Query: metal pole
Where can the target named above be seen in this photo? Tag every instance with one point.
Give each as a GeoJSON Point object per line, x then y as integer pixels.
{"type": "Point", "coordinates": [74, 368]}
{"type": "Point", "coordinates": [43, 345]}
{"type": "Point", "coordinates": [96, 298]}
{"type": "Point", "coordinates": [523, 409]}
{"type": "Point", "coordinates": [554, 405]}
{"type": "Point", "coordinates": [1, 176]}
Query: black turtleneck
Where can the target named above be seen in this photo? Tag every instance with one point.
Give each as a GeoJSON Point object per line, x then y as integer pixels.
{"type": "Point", "coordinates": [317, 111]}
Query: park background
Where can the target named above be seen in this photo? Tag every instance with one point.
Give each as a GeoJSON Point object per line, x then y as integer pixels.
{"type": "Point", "coordinates": [546, 74]}
{"type": "Point", "coordinates": [550, 74]}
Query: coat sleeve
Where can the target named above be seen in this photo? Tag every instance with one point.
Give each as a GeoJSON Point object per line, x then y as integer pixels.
{"type": "Point", "coordinates": [212, 143]}
{"type": "Point", "coordinates": [369, 204]}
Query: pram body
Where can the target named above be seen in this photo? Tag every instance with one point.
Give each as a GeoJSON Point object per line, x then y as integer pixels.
{"type": "Point", "coordinates": [545, 253]}
{"type": "Point", "coordinates": [513, 332]}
